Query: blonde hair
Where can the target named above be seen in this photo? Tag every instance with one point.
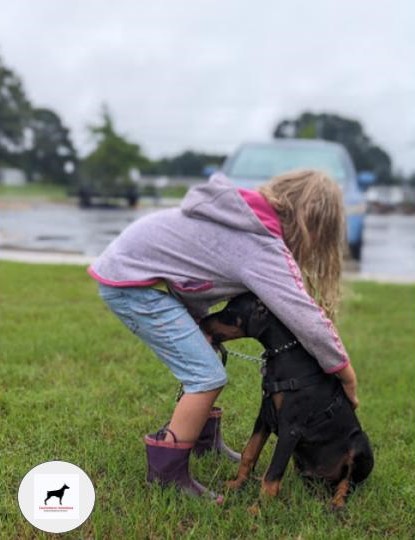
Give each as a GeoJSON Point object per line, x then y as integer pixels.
{"type": "Point", "coordinates": [310, 207]}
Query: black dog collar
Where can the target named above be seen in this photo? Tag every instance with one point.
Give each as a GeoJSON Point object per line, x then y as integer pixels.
{"type": "Point", "coordinates": [270, 353]}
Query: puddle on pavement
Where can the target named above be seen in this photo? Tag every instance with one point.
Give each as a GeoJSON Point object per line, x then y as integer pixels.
{"type": "Point", "coordinates": [47, 238]}
{"type": "Point", "coordinates": [389, 240]}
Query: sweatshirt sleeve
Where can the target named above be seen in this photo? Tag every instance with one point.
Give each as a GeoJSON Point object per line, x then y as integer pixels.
{"type": "Point", "coordinates": [274, 276]}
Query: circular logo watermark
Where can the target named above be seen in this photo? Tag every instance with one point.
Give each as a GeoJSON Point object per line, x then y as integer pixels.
{"type": "Point", "coordinates": [56, 496]}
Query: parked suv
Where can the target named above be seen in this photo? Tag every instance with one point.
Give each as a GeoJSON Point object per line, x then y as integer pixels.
{"type": "Point", "coordinates": [255, 163]}
{"type": "Point", "coordinates": [96, 191]}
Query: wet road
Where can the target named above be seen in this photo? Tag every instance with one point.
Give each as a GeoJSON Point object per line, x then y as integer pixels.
{"type": "Point", "coordinates": [63, 228]}
{"type": "Point", "coordinates": [389, 248]}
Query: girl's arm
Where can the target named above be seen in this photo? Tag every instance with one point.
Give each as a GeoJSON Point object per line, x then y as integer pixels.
{"type": "Point", "coordinates": [272, 274]}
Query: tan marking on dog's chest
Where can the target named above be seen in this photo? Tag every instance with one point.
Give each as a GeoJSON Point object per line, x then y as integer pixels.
{"type": "Point", "coordinates": [278, 400]}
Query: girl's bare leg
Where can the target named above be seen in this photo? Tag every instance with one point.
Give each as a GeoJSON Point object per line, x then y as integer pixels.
{"type": "Point", "coordinates": [191, 414]}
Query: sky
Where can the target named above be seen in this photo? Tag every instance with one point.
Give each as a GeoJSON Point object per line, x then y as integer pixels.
{"type": "Point", "coordinates": [208, 75]}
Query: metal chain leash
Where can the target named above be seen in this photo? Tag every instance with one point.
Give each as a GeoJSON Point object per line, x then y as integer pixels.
{"type": "Point", "coordinates": [261, 360]}
{"type": "Point", "coordinates": [266, 354]}
{"type": "Point", "coordinates": [225, 352]}
{"type": "Point", "coordinates": [243, 356]}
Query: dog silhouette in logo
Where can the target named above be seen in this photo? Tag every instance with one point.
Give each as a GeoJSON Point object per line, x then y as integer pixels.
{"type": "Point", "coordinates": [57, 493]}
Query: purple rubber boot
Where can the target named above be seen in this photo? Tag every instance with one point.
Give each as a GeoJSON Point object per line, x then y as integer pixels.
{"type": "Point", "coordinates": [210, 439]}
{"type": "Point", "coordinates": [168, 463]}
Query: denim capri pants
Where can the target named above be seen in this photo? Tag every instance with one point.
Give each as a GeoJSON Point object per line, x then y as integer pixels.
{"type": "Point", "coordinates": [166, 326]}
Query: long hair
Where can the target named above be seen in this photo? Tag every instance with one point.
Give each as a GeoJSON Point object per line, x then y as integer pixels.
{"type": "Point", "coordinates": [310, 207]}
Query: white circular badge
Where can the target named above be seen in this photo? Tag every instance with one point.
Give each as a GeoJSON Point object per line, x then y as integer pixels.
{"type": "Point", "coordinates": [56, 496]}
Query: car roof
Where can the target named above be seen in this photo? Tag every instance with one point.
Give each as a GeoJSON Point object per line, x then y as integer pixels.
{"type": "Point", "coordinates": [299, 143]}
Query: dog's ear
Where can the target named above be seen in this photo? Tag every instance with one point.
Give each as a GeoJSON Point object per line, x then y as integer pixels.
{"type": "Point", "coordinates": [258, 320]}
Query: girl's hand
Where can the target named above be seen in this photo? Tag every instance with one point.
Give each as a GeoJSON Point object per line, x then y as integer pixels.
{"type": "Point", "coordinates": [350, 391]}
{"type": "Point", "coordinates": [348, 379]}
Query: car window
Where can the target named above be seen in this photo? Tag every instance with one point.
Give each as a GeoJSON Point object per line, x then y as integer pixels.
{"type": "Point", "coordinates": [263, 162]}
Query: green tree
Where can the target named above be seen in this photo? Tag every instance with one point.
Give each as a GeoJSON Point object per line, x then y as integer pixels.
{"type": "Point", "coordinates": [365, 154]}
{"type": "Point", "coordinates": [52, 155]}
{"type": "Point", "coordinates": [187, 163]}
{"type": "Point", "coordinates": [15, 111]}
{"type": "Point", "coordinates": [114, 156]}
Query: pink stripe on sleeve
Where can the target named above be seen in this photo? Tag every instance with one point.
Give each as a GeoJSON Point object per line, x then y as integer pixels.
{"type": "Point", "coordinates": [337, 368]}
{"type": "Point", "coordinates": [300, 284]}
{"type": "Point", "coordinates": [104, 281]}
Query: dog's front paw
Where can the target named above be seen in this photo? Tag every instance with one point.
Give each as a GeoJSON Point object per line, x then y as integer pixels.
{"type": "Point", "coordinates": [236, 484]}
{"type": "Point", "coordinates": [337, 506]}
{"type": "Point", "coordinates": [338, 502]}
{"type": "Point", "coordinates": [270, 489]}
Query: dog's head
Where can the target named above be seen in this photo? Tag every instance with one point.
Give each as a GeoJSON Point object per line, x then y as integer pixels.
{"type": "Point", "coordinates": [244, 316]}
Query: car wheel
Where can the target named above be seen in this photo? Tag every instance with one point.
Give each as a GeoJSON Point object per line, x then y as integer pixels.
{"type": "Point", "coordinates": [356, 251]}
{"type": "Point", "coordinates": [132, 200]}
{"type": "Point", "coordinates": [84, 200]}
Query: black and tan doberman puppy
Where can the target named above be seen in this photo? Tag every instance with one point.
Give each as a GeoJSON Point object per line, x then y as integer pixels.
{"type": "Point", "coordinates": [305, 407]}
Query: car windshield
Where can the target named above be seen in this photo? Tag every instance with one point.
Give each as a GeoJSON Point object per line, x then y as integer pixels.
{"type": "Point", "coordinates": [263, 162]}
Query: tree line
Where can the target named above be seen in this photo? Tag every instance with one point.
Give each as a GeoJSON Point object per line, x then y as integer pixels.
{"type": "Point", "coordinates": [36, 141]}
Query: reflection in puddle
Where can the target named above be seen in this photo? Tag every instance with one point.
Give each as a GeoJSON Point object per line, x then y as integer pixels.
{"type": "Point", "coordinates": [389, 247]}
{"type": "Point", "coordinates": [46, 238]}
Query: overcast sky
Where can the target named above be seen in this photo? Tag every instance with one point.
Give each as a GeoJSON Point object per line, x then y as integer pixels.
{"type": "Point", "coordinates": [209, 74]}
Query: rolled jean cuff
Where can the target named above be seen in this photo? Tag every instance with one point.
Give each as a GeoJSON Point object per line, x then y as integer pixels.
{"type": "Point", "coordinates": [207, 387]}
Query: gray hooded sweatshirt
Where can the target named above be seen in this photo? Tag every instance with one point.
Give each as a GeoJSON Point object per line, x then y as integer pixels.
{"type": "Point", "coordinates": [219, 243]}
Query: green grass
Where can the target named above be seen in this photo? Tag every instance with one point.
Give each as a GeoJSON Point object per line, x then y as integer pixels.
{"type": "Point", "coordinates": [174, 191]}
{"type": "Point", "coordinates": [76, 386]}
{"type": "Point", "coordinates": [34, 190]}
{"type": "Point", "coordinates": [177, 191]}
{"type": "Point", "coordinates": [56, 193]}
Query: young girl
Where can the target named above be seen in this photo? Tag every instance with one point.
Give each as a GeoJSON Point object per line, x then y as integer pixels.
{"type": "Point", "coordinates": [283, 242]}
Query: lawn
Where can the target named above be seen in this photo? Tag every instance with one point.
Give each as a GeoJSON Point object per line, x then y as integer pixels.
{"type": "Point", "coordinates": [58, 193]}
{"type": "Point", "coordinates": [76, 386]}
{"type": "Point", "coordinates": [52, 192]}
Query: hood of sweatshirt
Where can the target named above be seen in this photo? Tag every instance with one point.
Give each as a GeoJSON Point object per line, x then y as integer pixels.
{"type": "Point", "coordinates": [220, 201]}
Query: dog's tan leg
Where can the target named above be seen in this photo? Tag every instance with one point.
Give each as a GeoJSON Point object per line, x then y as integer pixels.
{"type": "Point", "coordinates": [270, 489]}
{"type": "Point", "coordinates": [249, 458]}
{"type": "Point", "coordinates": [338, 501]}
{"type": "Point", "coordinates": [288, 438]}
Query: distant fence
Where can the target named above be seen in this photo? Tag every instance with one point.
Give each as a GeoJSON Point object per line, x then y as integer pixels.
{"type": "Point", "coordinates": [379, 198]}
{"type": "Point", "coordinates": [391, 198]}
{"type": "Point", "coordinates": [384, 194]}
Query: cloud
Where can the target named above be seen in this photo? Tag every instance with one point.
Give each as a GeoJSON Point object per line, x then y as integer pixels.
{"type": "Point", "coordinates": [210, 74]}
